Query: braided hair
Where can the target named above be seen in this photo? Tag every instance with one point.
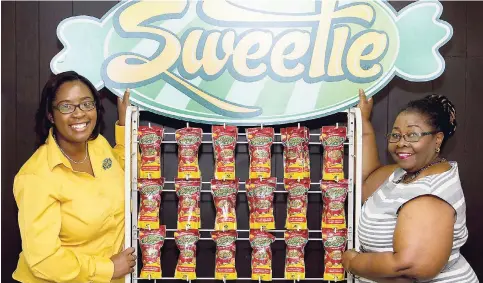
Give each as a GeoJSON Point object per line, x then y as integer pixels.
{"type": "Point", "coordinates": [440, 111]}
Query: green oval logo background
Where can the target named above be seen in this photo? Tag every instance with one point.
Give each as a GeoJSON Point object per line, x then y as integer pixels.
{"type": "Point", "coordinates": [93, 42]}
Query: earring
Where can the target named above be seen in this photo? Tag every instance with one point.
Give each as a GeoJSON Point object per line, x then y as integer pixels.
{"type": "Point", "coordinates": [438, 150]}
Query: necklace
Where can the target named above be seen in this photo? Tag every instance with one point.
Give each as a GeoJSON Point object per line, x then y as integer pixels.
{"type": "Point", "coordinates": [65, 154]}
{"type": "Point", "coordinates": [405, 179]}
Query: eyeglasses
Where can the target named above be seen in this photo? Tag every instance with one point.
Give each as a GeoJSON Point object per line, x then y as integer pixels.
{"type": "Point", "coordinates": [409, 137]}
{"type": "Point", "coordinates": [66, 108]}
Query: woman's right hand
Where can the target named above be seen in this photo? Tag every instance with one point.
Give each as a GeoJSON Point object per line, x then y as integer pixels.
{"type": "Point", "coordinates": [124, 263]}
{"type": "Point", "coordinates": [365, 105]}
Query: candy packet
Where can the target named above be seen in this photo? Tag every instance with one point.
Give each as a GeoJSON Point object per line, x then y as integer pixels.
{"type": "Point", "coordinates": [188, 192]}
{"type": "Point", "coordinates": [189, 141]}
{"type": "Point", "coordinates": [225, 254]}
{"type": "Point", "coordinates": [151, 242]}
{"type": "Point", "coordinates": [294, 260]}
{"type": "Point", "coordinates": [334, 195]}
{"type": "Point", "coordinates": [260, 242]}
{"type": "Point", "coordinates": [332, 138]}
{"type": "Point", "coordinates": [186, 242]}
{"type": "Point", "coordinates": [224, 195]}
{"type": "Point", "coordinates": [150, 202]}
{"type": "Point", "coordinates": [297, 201]}
{"type": "Point", "coordinates": [295, 152]}
{"type": "Point", "coordinates": [260, 202]}
{"type": "Point", "coordinates": [334, 246]}
{"type": "Point", "coordinates": [150, 138]}
{"type": "Point", "coordinates": [224, 144]}
{"type": "Point", "coordinates": [259, 145]}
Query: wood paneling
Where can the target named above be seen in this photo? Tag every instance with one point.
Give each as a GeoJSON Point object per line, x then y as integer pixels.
{"type": "Point", "coordinates": [10, 229]}
{"type": "Point", "coordinates": [51, 13]}
{"type": "Point", "coordinates": [471, 175]}
{"type": "Point", "coordinates": [27, 47]}
{"type": "Point", "coordinates": [474, 29]}
{"type": "Point", "coordinates": [29, 42]}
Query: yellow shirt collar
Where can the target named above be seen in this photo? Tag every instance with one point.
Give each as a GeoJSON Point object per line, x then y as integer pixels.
{"type": "Point", "coordinates": [54, 155]}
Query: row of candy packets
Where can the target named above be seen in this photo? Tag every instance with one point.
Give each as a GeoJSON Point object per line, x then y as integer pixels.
{"type": "Point", "coordinates": [224, 144]}
{"type": "Point", "coordinates": [332, 139]}
{"type": "Point", "coordinates": [296, 161]}
{"type": "Point", "coordinates": [186, 242]}
{"type": "Point", "coordinates": [188, 192]}
{"type": "Point", "coordinates": [260, 202]}
{"type": "Point", "coordinates": [225, 254]}
{"type": "Point", "coordinates": [334, 195]}
{"type": "Point", "coordinates": [151, 242]}
{"type": "Point", "coordinates": [297, 201]}
{"type": "Point", "coordinates": [260, 142]}
{"type": "Point", "coordinates": [294, 260]}
{"type": "Point", "coordinates": [189, 141]}
{"type": "Point", "coordinates": [150, 194]}
{"type": "Point", "coordinates": [260, 242]}
{"type": "Point", "coordinates": [334, 246]}
{"type": "Point", "coordinates": [150, 138]}
{"type": "Point", "coordinates": [224, 195]}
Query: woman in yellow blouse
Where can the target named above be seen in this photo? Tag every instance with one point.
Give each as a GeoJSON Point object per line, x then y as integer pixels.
{"type": "Point", "coordinates": [70, 192]}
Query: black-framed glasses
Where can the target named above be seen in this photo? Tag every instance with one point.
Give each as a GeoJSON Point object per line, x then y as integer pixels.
{"type": "Point", "coordinates": [409, 137]}
{"type": "Point", "coordinates": [67, 108]}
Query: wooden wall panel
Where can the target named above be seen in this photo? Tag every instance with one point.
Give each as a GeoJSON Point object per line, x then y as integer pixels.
{"type": "Point", "coordinates": [452, 84]}
{"type": "Point", "coordinates": [9, 132]}
{"type": "Point", "coordinates": [471, 175]}
{"type": "Point", "coordinates": [380, 121]}
{"type": "Point", "coordinates": [474, 29]}
{"type": "Point", "coordinates": [454, 12]}
{"type": "Point", "coordinates": [51, 13]}
{"type": "Point", "coordinates": [27, 45]}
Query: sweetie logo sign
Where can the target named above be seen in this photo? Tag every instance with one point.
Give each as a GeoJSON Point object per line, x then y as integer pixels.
{"type": "Point", "coordinates": [251, 62]}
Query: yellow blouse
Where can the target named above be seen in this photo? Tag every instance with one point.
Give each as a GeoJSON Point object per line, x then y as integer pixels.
{"type": "Point", "coordinates": [71, 223]}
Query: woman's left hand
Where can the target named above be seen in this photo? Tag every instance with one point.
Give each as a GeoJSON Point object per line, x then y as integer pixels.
{"type": "Point", "coordinates": [122, 105]}
{"type": "Point", "coordinates": [347, 257]}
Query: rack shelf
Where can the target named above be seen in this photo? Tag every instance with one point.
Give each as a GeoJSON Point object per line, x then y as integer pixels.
{"type": "Point", "coordinates": [353, 145]}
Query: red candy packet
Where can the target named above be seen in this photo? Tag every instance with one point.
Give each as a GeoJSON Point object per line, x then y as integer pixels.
{"type": "Point", "coordinates": [294, 260]}
{"type": "Point", "coordinates": [259, 145]}
{"type": "Point", "coordinates": [224, 195]}
{"type": "Point", "coordinates": [334, 246]}
{"type": "Point", "coordinates": [297, 203]}
{"type": "Point", "coordinates": [334, 195]}
{"type": "Point", "coordinates": [333, 139]}
{"type": "Point", "coordinates": [260, 202]}
{"type": "Point", "coordinates": [224, 144]}
{"type": "Point", "coordinates": [188, 192]}
{"type": "Point", "coordinates": [260, 242]}
{"type": "Point", "coordinates": [150, 195]}
{"type": "Point", "coordinates": [151, 242]}
{"type": "Point", "coordinates": [225, 254]}
{"type": "Point", "coordinates": [295, 152]}
{"type": "Point", "coordinates": [189, 141]}
{"type": "Point", "coordinates": [186, 243]}
{"type": "Point", "coordinates": [150, 138]}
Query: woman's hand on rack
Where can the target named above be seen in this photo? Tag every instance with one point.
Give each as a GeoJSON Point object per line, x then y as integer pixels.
{"type": "Point", "coordinates": [124, 263]}
{"type": "Point", "coordinates": [347, 257]}
{"type": "Point", "coordinates": [365, 105]}
{"type": "Point", "coordinates": [122, 105]}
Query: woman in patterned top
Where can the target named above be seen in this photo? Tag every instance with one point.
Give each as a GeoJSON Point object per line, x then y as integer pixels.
{"type": "Point", "coordinates": [413, 220]}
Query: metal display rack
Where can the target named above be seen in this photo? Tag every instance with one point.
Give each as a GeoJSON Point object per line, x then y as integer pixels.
{"type": "Point", "coordinates": [353, 143]}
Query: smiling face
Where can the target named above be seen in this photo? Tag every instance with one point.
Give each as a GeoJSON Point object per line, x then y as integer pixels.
{"type": "Point", "coordinates": [412, 156]}
{"type": "Point", "coordinates": [77, 126]}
